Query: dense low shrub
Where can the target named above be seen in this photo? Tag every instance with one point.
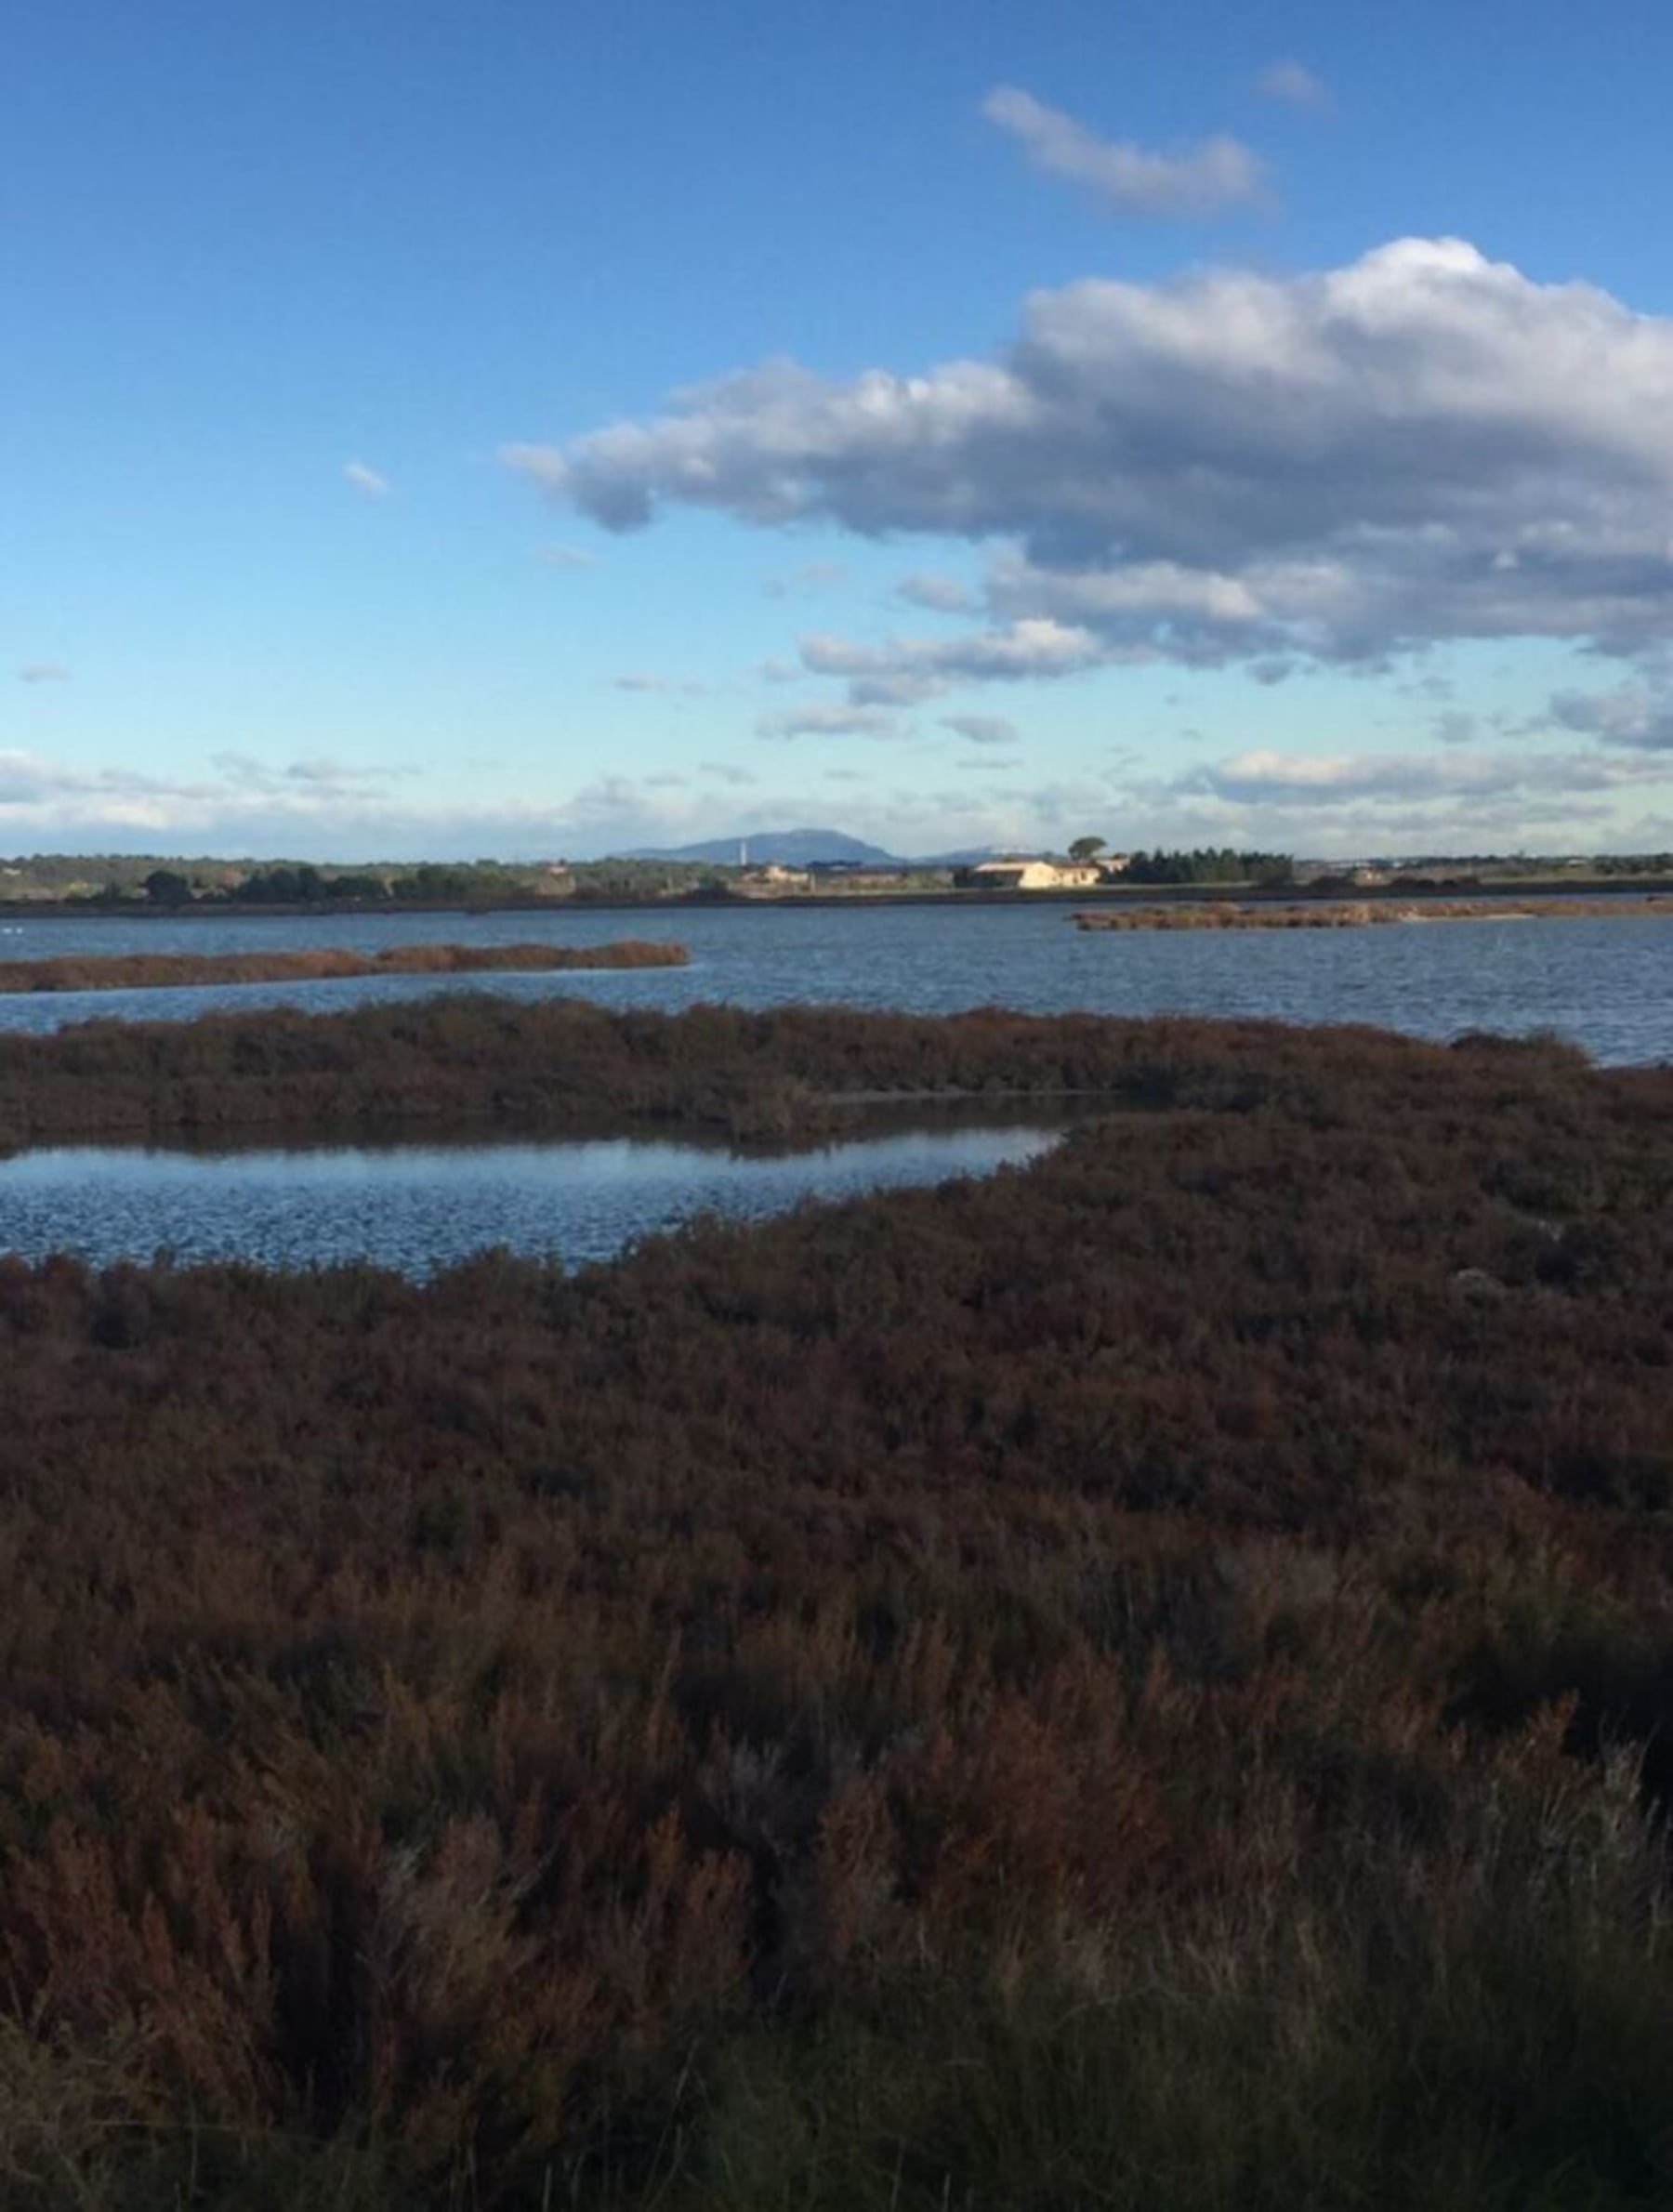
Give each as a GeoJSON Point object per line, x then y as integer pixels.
{"type": "Point", "coordinates": [1141, 1681]}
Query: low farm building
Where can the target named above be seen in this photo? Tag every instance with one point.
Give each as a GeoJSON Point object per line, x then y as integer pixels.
{"type": "Point", "coordinates": [1028, 876]}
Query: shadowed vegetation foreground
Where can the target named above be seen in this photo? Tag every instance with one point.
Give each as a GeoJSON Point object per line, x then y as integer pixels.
{"type": "Point", "coordinates": [157, 971]}
{"type": "Point", "coordinates": [1139, 1682]}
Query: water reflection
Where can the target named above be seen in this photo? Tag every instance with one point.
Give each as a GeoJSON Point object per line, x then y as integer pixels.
{"type": "Point", "coordinates": [418, 1207]}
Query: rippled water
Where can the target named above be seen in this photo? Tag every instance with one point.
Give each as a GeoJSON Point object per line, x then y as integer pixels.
{"type": "Point", "coordinates": [417, 1207]}
{"type": "Point", "coordinates": [1606, 984]}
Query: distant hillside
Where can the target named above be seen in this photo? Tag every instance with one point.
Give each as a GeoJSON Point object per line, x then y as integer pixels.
{"type": "Point", "coordinates": [787, 849]}
{"type": "Point", "coordinates": [972, 855]}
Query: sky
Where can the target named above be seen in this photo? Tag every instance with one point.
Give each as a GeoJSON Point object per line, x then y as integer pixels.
{"type": "Point", "coordinates": [469, 427]}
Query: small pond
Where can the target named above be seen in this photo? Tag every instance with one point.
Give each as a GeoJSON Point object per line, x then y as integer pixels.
{"type": "Point", "coordinates": [417, 1207]}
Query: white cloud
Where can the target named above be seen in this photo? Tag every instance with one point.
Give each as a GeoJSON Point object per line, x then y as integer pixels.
{"type": "Point", "coordinates": [905, 669]}
{"type": "Point", "coordinates": [43, 672]}
{"type": "Point", "coordinates": [1292, 85]}
{"type": "Point", "coordinates": [243, 804]}
{"type": "Point", "coordinates": [1458, 800]}
{"type": "Point", "coordinates": [1420, 445]}
{"type": "Point", "coordinates": [567, 559]}
{"type": "Point", "coordinates": [366, 479]}
{"type": "Point", "coordinates": [983, 730]}
{"type": "Point", "coordinates": [1129, 179]}
{"type": "Point", "coordinates": [317, 779]}
{"type": "Point", "coordinates": [1311, 779]}
{"type": "Point", "coordinates": [829, 722]}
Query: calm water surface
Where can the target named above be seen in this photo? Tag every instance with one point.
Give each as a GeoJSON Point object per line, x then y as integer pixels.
{"type": "Point", "coordinates": [1606, 984]}
{"type": "Point", "coordinates": [417, 1207]}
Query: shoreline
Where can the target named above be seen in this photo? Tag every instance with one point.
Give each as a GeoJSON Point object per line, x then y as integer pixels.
{"type": "Point", "coordinates": [1114, 897]}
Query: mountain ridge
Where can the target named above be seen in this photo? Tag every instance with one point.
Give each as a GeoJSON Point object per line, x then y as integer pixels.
{"type": "Point", "coordinates": [785, 848]}
{"type": "Point", "coordinates": [802, 848]}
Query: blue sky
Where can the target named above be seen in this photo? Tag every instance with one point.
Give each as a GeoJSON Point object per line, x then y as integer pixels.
{"type": "Point", "coordinates": [507, 427]}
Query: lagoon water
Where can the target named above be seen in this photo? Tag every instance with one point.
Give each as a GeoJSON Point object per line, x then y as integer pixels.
{"type": "Point", "coordinates": [1606, 984]}
{"type": "Point", "coordinates": [417, 1207]}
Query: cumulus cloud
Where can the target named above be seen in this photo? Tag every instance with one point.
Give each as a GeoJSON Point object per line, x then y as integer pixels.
{"type": "Point", "coordinates": [43, 672]}
{"type": "Point", "coordinates": [1129, 179]}
{"type": "Point", "coordinates": [1232, 466]}
{"type": "Point", "coordinates": [983, 730]}
{"type": "Point", "coordinates": [366, 479]}
{"type": "Point", "coordinates": [1292, 85]}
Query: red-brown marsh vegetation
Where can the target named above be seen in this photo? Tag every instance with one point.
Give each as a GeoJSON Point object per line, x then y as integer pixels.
{"type": "Point", "coordinates": [565, 1062]}
{"type": "Point", "coordinates": [1139, 1682]}
{"type": "Point", "coordinates": [156, 972]}
{"type": "Point", "coordinates": [1365, 912]}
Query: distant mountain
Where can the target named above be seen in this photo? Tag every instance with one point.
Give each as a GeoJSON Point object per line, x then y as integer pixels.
{"type": "Point", "coordinates": [973, 855]}
{"type": "Point", "coordinates": [785, 848]}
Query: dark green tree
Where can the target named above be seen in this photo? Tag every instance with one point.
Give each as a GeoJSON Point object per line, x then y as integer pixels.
{"type": "Point", "coordinates": [167, 886]}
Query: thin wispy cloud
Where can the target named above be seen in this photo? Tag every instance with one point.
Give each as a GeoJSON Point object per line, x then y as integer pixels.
{"type": "Point", "coordinates": [646, 683]}
{"type": "Point", "coordinates": [938, 594]}
{"type": "Point", "coordinates": [366, 481]}
{"type": "Point", "coordinates": [809, 581]}
{"type": "Point", "coordinates": [43, 672]}
{"type": "Point", "coordinates": [1127, 179]}
{"type": "Point", "coordinates": [1292, 85]}
{"type": "Point", "coordinates": [567, 557]}
{"type": "Point", "coordinates": [1634, 717]}
{"type": "Point", "coordinates": [829, 722]}
{"type": "Point", "coordinates": [1308, 779]}
{"type": "Point", "coordinates": [983, 730]}
{"type": "Point", "coordinates": [902, 670]}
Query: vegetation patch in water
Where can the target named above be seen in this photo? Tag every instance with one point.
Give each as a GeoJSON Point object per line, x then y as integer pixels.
{"type": "Point", "coordinates": [556, 1063]}
{"type": "Point", "coordinates": [1366, 913]}
{"type": "Point", "coordinates": [157, 971]}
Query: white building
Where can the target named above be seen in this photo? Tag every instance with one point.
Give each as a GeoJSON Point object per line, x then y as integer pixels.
{"type": "Point", "coordinates": [1030, 875]}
